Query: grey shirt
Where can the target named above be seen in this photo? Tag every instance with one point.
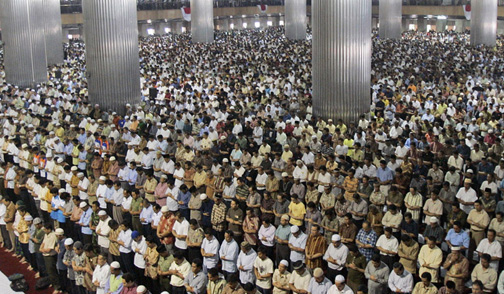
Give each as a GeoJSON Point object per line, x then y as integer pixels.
{"type": "Point", "coordinates": [381, 274]}
{"type": "Point", "coordinates": [197, 281]}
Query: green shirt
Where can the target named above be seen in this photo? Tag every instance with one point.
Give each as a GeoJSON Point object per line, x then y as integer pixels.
{"type": "Point", "coordinates": [354, 275]}
{"type": "Point", "coordinates": [39, 235]}
{"type": "Point", "coordinates": [136, 204]}
{"type": "Point", "coordinates": [164, 263]}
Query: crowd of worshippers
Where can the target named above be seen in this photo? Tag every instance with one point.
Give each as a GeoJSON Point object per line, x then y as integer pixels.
{"type": "Point", "coordinates": [222, 180]}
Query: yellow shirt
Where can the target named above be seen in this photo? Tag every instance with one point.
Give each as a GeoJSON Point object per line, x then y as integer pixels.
{"type": "Point", "coordinates": [199, 178]}
{"type": "Point", "coordinates": [297, 210]}
{"type": "Point", "coordinates": [431, 257]}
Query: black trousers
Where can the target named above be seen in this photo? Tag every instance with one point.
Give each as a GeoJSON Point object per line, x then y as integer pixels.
{"type": "Point", "coordinates": [50, 264]}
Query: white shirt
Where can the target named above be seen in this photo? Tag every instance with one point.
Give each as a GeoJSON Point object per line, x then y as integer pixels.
{"type": "Point", "coordinates": [388, 244]}
{"type": "Point", "coordinates": [466, 196]}
{"type": "Point", "coordinates": [125, 236]}
{"type": "Point", "coordinates": [139, 260]}
{"type": "Point", "coordinates": [264, 267]}
{"type": "Point", "coordinates": [101, 274]}
{"type": "Point", "coordinates": [230, 251]}
{"type": "Point", "coordinates": [339, 254]}
{"type": "Point", "coordinates": [181, 228]}
{"type": "Point", "coordinates": [335, 290]}
{"type": "Point", "coordinates": [211, 246]}
{"type": "Point", "coordinates": [104, 228]}
{"type": "Point", "coordinates": [247, 261]}
{"type": "Point", "coordinates": [269, 233]}
{"type": "Point", "coordinates": [403, 282]}
{"type": "Point", "coordinates": [494, 249]}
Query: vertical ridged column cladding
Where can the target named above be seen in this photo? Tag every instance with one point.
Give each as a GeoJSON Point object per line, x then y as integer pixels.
{"type": "Point", "coordinates": [295, 19]}
{"type": "Point", "coordinates": [484, 22]}
{"type": "Point", "coordinates": [112, 53]}
{"type": "Point", "coordinates": [441, 25]}
{"type": "Point", "coordinates": [390, 13]}
{"type": "Point", "coordinates": [52, 28]}
{"type": "Point", "coordinates": [23, 36]}
{"type": "Point", "coordinates": [341, 58]}
{"type": "Point", "coordinates": [202, 21]}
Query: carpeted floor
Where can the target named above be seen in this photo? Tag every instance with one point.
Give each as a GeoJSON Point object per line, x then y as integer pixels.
{"type": "Point", "coordinates": [10, 265]}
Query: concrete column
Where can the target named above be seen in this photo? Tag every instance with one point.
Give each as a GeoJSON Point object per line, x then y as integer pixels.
{"type": "Point", "coordinates": [422, 25]}
{"type": "Point", "coordinates": [264, 22]}
{"type": "Point", "coordinates": [64, 35]}
{"type": "Point", "coordinates": [460, 25]}
{"type": "Point", "coordinates": [390, 12]}
{"type": "Point", "coordinates": [405, 24]}
{"type": "Point", "coordinates": [341, 58]}
{"type": "Point", "coordinates": [295, 19]}
{"type": "Point", "coordinates": [441, 25]}
{"type": "Point", "coordinates": [52, 30]}
{"type": "Point", "coordinates": [112, 59]}
{"type": "Point", "coordinates": [374, 23]}
{"type": "Point", "coordinates": [500, 27]}
{"type": "Point", "coordinates": [484, 22]}
{"type": "Point", "coordinates": [202, 27]}
{"type": "Point", "coordinates": [23, 35]}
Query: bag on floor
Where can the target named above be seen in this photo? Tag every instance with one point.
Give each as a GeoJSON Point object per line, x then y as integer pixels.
{"type": "Point", "coordinates": [42, 283]}
{"type": "Point", "coordinates": [18, 283]}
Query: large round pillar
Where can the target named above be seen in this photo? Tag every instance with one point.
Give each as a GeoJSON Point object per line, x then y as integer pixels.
{"type": "Point", "coordinates": [484, 22]}
{"type": "Point", "coordinates": [390, 13]}
{"type": "Point", "coordinates": [441, 25]}
{"type": "Point", "coordinates": [341, 58]}
{"type": "Point", "coordinates": [422, 25]}
{"type": "Point", "coordinates": [202, 22]}
{"type": "Point", "coordinates": [112, 58]}
{"type": "Point", "coordinates": [295, 19]}
{"type": "Point", "coordinates": [24, 44]}
{"type": "Point", "coordinates": [53, 31]}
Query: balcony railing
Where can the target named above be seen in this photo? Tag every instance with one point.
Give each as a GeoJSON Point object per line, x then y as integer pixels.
{"type": "Point", "coordinates": [74, 6]}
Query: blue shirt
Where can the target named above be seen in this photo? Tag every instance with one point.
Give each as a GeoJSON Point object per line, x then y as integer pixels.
{"type": "Point", "coordinates": [230, 251]}
{"type": "Point", "coordinates": [59, 264]}
{"type": "Point", "coordinates": [147, 214]}
{"type": "Point", "coordinates": [184, 197]}
{"type": "Point", "coordinates": [82, 156]}
{"type": "Point", "coordinates": [458, 239]}
{"type": "Point", "coordinates": [82, 139]}
{"type": "Point", "coordinates": [132, 176]}
{"type": "Point", "coordinates": [368, 239]}
{"type": "Point", "coordinates": [84, 220]}
{"type": "Point", "coordinates": [385, 174]}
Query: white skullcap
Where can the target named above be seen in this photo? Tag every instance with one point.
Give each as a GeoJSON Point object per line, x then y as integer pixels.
{"type": "Point", "coordinates": [203, 196]}
{"type": "Point", "coordinates": [164, 209]}
{"type": "Point", "coordinates": [69, 241]}
{"type": "Point", "coordinates": [80, 175]}
{"type": "Point", "coordinates": [433, 219]}
{"type": "Point", "coordinates": [60, 160]}
{"type": "Point", "coordinates": [115, 265]}
{"type": "Point", "coordinates": [336, 238]}
{"type": "Point", "coordinates": [112, 158]}
{"type": "Point", "coordinates": [61, 190]}
{"type": "Point", "coordinates": [339, 279]}
{"type": "Point", "coordinates": [103, 178]}
{"type": "Point", "coordinates": [141, 289]}
{"type": "Point", "coordinates": [82, 204]}
{"type": "Point", "coordinates": [284, 174]}
{"type": "Point", "coordinates": [294, 229]}
{"type": "Point", "coordinates": [28, 218]}
{"type": "Point", "coordinates": [102, 213]}
{"type": "Point", "coordinates": [59, 231]}
{"type": "Point", "coordinates": [284, 262]}
{"type": "Point", "coordinates": [74, 168]}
